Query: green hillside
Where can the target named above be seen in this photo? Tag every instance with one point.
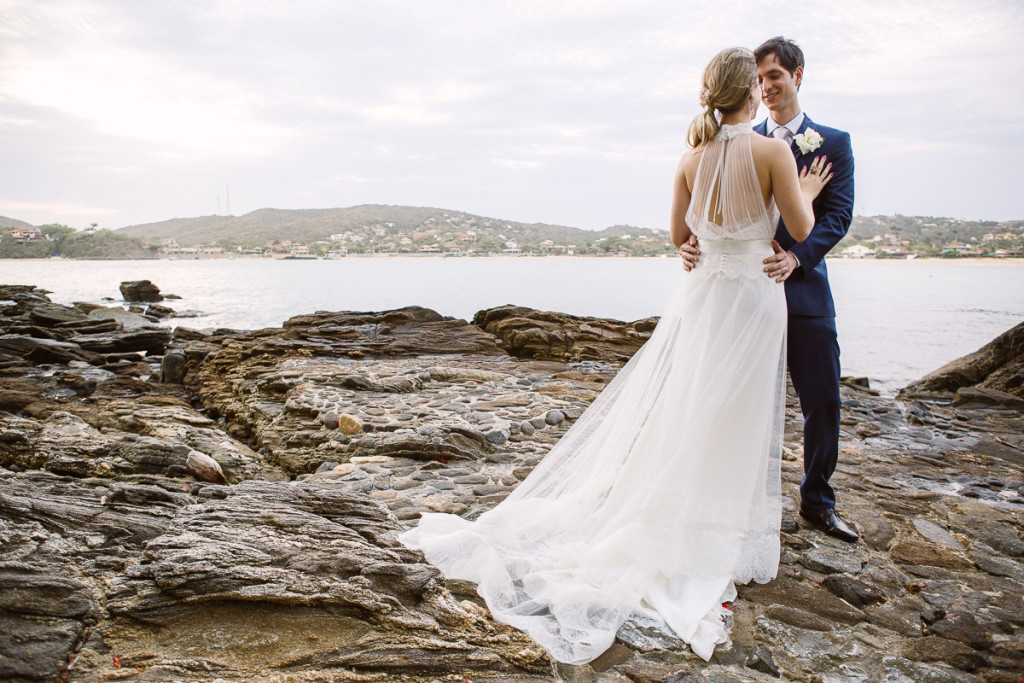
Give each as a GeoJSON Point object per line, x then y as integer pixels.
{"type": "Point", "coordinates": [60, 240]}
{"type": "Point", "coordinates": [267, 226]}
{"type": "Point", "coordinates": [410, 230]}
{"type": "Point", "coordinates": [306, 226]}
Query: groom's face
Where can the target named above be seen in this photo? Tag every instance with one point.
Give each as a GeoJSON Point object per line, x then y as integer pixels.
{"type": "Point", "coordinates": [778, 86]}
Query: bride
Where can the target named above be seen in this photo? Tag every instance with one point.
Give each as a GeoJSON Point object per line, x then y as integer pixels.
{"type": "Point", "coordinates": [665, 492]}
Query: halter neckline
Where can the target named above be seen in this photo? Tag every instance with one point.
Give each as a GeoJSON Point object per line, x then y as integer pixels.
{"type": "Point", "coordinates": [729, 131]}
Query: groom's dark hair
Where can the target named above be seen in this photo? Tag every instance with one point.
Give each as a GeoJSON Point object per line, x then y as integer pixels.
{"type": "Point", "coordinates": [789, 54]}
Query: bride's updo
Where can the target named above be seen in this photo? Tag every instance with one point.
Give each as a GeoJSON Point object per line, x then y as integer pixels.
{"type": "Point", "coordinates": [726, 85]}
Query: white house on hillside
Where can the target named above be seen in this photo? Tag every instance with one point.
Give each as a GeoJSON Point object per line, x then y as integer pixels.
{"type": "Point", "coordinates": [858, 251]}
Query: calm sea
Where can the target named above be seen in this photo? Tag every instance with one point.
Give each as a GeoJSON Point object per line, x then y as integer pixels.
{"type": "Point", "coordinates": [898, 320]}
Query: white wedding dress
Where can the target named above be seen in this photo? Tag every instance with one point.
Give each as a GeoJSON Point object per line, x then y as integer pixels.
{"type": "Point", "coordinates": [665, 492]}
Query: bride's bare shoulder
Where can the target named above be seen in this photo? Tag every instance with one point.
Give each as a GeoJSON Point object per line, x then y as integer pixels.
{"type": "Point", "coordinates": [764, 144]}
{"type": "Point", "coordinates": [688, 163]}
{"type": "Point", "coordinates": [690, 159]}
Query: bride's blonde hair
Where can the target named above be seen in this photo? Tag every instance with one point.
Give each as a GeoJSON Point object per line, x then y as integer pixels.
{"type": "Point", "coordinates": [726, 85]}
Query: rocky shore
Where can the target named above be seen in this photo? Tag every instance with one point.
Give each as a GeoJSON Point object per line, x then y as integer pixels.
{"type": "Point", "coordinates": [204, 505]}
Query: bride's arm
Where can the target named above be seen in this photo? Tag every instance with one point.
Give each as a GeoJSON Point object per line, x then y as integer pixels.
{"type": "Point", "coordinates": [680, 202]}
{"type": "Point", "coordinates": [794, 194]}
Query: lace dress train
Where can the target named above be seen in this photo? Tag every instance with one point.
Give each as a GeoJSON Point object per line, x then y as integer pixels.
{"type": "Point", "coordinates": [665, 492]}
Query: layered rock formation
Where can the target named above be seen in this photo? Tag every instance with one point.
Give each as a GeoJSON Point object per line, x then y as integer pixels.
{"type": "Point", "coordinates": [528, 334]}
{"type": "Point", "coordinates": [168, 580]}
{"type": "Point", "coordinates": [993, 375]}
{"type": "Point", "coordinates": [237, 521]}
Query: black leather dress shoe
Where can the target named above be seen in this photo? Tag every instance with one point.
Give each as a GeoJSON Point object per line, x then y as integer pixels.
{"type": "Point", "coordinates": [829, 522]}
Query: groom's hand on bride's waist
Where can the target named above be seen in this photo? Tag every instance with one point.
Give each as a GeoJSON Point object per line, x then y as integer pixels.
{"type": "Point", "coordinates": [780, 265]}
{"type": "Point", "coordinates": [690, 253]}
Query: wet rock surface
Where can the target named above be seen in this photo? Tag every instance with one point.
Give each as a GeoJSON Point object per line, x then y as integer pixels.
{"type": "Point", "coordinates": [122, 559]}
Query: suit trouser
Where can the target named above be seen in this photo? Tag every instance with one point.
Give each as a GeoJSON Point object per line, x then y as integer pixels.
{"type": "Point", "coordinates": [813, 358]}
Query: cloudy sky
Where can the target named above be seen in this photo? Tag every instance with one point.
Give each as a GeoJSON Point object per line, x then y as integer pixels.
{"type": "Point", "coordinates": [562, 111]}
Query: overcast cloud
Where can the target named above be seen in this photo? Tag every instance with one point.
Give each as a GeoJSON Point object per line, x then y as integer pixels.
{"type": "Point", "coordinates": [122, 112]}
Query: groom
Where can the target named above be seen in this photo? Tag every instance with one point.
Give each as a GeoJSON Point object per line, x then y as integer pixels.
{"type": "Point", "coordinates": [813, 349]}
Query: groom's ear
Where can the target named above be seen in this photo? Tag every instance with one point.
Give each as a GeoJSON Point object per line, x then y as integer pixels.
{"type": "Point", "coordinates": [798, 76]}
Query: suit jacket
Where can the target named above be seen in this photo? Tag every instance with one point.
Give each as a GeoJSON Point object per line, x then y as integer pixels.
{"type": "Point", "coordinates": [807, 289]}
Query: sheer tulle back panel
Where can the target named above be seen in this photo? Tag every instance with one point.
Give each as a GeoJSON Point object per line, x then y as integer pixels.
{"type": "Point", "coordinates": [726, 201]}
{"type": "Point", "coordinates": [666, 489]}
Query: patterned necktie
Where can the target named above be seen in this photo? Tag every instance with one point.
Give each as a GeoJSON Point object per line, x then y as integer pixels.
{"type": "Point", "coordinates": [782, 133]}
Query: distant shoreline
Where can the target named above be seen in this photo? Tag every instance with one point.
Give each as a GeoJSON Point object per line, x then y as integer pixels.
{"type": "Point", "coordinates": [928, 259]}
{"type": "Point", "coordinates": [559, 257]}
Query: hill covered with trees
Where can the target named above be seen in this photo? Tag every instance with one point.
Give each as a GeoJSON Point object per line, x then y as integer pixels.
{"type": "Point", "coordinates": [395, 229]}
{"type": "Point", "coordinates": [60, 240]}
{"type": "Point", "coordinates": [422, 230]}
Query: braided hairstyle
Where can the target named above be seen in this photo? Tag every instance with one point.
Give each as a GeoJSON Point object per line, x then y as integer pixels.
{"type": "Point", "coordinates": [726, 85]}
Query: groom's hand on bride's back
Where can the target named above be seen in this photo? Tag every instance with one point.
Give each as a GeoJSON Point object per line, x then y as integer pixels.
{"type": "Point", "coordinates": [780, 265]}
{"type": "Point", "coordinates": [690, 253]}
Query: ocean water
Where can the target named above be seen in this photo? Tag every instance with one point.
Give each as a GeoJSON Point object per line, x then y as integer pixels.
{"type": "Point", "coordinates": [897, 320]}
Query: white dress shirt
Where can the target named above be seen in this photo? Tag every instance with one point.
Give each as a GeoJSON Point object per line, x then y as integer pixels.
{"type": "Point", "coordinates": [793, 126]}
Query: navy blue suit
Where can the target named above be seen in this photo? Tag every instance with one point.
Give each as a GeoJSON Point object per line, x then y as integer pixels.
{"type": "Point", "coordinates": [813, 348]}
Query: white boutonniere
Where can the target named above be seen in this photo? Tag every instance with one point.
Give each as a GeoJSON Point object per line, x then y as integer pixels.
{"type": "Point", "coordinates": [808, 141]}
